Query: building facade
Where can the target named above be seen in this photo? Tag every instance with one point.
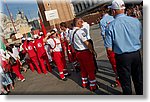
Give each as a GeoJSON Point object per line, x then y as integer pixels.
{"type": "Point", "coordinates": [63, 7]}
{"type": "Point", "coordinates": [84, 7]}
{"type": "Point", "coordinates": [11, 27]}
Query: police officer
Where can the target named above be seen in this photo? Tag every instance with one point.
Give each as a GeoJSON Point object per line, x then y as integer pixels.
{"type": "Point", "coordinates": [84, 53]}
{"type": "Point", "coordinates": [123, 37]}
{"type": "Point", "coordinates": [104, 22]}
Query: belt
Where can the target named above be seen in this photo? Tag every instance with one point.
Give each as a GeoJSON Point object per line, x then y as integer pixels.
{"type": "Point", "coordinates": [127, 52]}
{"type": "Point", "coordinates": [81, 50]}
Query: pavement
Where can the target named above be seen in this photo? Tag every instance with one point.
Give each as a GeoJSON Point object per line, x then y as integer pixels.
{"type": "Point", "coordinates": [50, 84]}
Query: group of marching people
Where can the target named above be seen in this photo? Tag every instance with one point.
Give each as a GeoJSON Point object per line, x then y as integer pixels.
{"type": "Point", "coordinates": [121, 40]}
{"type": "Point", "coordinates": [80, 53]}
{"type": "Point", "coordinates": [40, 50]}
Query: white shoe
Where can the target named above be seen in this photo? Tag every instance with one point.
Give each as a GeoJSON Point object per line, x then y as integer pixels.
{"type": "Point", "coordinates": [22, 80]}
{"type": "Point", "coordinates": [19, 79]}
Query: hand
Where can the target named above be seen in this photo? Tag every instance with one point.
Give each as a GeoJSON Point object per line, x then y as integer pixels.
{"type": "Point", "coordinates": [48, 34]}
{"type": "Point", "coordinates": [20, 63]}
{"type": "Point", "coordinates": [95, 54]}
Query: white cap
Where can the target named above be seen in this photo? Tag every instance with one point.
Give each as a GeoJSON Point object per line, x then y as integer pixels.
{"type": "Point", "coordinates": [41, 33]}
{"type": "Point", "coordinates": [23, 39]}
{"type": "Point", "coordinates": [55, 29]}
{"type": "Point", "coordinates": [29, 38]}
{"type": "Point", "coordinates": [35, 35]}
{"type": "Point", "coordinates": [117, 4]}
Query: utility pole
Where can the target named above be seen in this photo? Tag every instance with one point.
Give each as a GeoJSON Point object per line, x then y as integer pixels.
{"type": "Point", "coordinates": [10, 16]}
{"type": "Point", "coordinates": [50, 9]}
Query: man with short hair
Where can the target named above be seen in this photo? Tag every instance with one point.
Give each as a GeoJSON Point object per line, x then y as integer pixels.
{"type": "Point", "coordinates": [84, 53]}
{"type": "Point", "coordinates": [53, 40]}
{"type": "Point", "coordinates": [86, 29]}
{"type": "Point", "coordinates": [123, 37]}
{"type": "Point", "coordinates": [70, 51]}
{"type": "Point", "coordinates": [104, 22]}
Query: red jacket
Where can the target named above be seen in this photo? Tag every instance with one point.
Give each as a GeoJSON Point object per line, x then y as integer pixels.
{"type": "Point", "coordinates": [30, 49]}
{"type": "Point", "coordinates": [24, 46]}
{"type": "Point", "coordinates": [39, 45]}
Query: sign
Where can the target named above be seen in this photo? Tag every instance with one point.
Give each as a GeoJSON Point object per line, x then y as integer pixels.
{"type": "Point", "coordinates": [9, 40]}
{"type": "Point", "coordinates": [24, 30]}
{"type": "Point", "coordinates": [18, 35]}
{"type": "Point", "coordinates": [51, 15]}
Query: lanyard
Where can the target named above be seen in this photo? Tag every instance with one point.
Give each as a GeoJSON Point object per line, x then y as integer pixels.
{"type": "Point", "coordinates": [73, 37]}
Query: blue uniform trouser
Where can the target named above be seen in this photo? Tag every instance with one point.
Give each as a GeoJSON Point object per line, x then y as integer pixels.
{"type": "Point", "coordinates": [130, 64]}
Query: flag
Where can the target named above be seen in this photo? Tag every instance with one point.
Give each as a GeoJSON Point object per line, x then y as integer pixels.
{"type": "Point", "coordinates": [43, 28]}
{"type": "Point", "coordinates": [29, 34]}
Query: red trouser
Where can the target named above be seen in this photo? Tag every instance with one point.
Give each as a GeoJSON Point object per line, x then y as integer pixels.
{"type": "Point", "coordinates": [5, 65]}
{"type": "Point", "coordinates": [34, 61]}
{"type": "Point", "coordinates": [71, 54]}
{"type": "Point", "coordinates": [42, 60]}
{"type": "Point", "coordinates": [30, 63]}
{"type": "Point", "coordinates": [59, 61]}
{"type": "Point", "coordinates": [16, 70]}
{"type": "Point", "coordinates": [64, 45]}
{"type": "Point", "coordinates": [112, 60]}
{"type": "Point", "coordinates": [87, 66]}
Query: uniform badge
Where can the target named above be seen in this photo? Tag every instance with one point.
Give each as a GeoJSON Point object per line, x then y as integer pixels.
{"type": "Point", "coordinates": [84, 34]}
{"type": "Point", "coordinates": [30, 47]}
{"type": "Point", "coordinates": [39, 45]}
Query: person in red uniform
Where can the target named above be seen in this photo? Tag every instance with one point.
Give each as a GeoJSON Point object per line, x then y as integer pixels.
{"type": "Point", "coordinates": [23, 49]}
{"type": "Point", "coordinates": [57, 54]}
{"type": "Point", "coordinates": [70, 51]}
{"type": "Point", "coordinates": [41, 53]}
{"type": "Point", "coordinates": [84, 53]}
{"type": "Point", "coordinates": [32, 54]}
{"type": "Point", "coordinates": [64, 45]}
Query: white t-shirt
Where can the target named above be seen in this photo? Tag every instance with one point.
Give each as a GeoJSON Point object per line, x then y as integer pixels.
{"type": "Point", "coordinates": [86, 29]}
{"type": "Point", "coordinates": [4, 54]}
{"type": "Point", "coordinates": [15, 52]}
{"type": "Point", "coordinates": [1, 71]}
{"type": "Point", "coordinates": [79, 39]}
{"type": "Point", "coordinates": [66, 34]}
{"type": "Point", "coordinates": [8, 54]}
{"type": "Point", "coordinates": [56, 44]}
{"type": "Point", "coordinates": [21, 48]}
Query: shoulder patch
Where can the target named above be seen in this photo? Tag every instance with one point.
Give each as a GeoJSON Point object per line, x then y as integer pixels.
{"type": "Point", "coordinates": [84, 34]}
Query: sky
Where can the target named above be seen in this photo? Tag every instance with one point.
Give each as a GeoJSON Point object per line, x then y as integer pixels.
{"type": "Point", "coordinates": [29, 7]}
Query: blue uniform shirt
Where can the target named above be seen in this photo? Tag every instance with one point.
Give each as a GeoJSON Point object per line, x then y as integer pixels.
{"type": "Point", "coordinates": [104, 22]}
{"type": "Point", "coordinates": [123, 34]}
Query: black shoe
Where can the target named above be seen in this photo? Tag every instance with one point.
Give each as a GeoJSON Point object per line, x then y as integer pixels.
{"type": "Point", "coordinates": [96, 89]}
{"type": "Point", "coordinates": [77, 70]}
{"type": "Point", "coordinates": [68, 75]}
{"type": "Point", "coordinates": [114, 85]}
{"type": "Point", "coordinates": [65, 79]}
